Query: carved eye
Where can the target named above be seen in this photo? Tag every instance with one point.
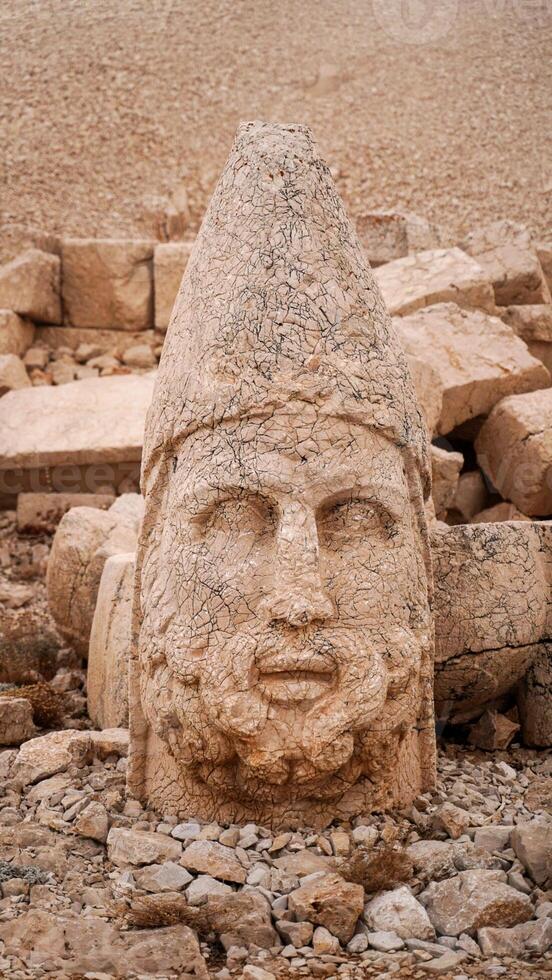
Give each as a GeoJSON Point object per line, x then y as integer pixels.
{"type": "Point", "coordinates": [235, 516]}
{"type": "Point", "coordinates": [350, 520]}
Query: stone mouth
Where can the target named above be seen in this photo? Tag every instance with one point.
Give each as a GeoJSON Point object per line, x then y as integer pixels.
{"type": "Point", "coordinates": [289, 678]}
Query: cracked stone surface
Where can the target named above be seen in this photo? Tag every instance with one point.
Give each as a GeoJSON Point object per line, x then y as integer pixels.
{"type": "Point", "coordinates": [283, 629]}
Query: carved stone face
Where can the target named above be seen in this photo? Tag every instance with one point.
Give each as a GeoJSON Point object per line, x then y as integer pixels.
{"type": "Point", "coordinates": [285, 611]}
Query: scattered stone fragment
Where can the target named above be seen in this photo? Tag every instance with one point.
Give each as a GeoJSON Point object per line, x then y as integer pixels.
{"type": "Point", "coordinates": [167, 877]}
{"type": "Point", "coordinates": [445, 963]}
{"type": "Point", "coordinates": [16, 333]}
{"type": "Point", "coordinates": [241, 917]}
{"type": "Point", "coordinates": [398, 912]}
{"type": "Point", "coordinates": [297, 933]}
{"type": "Point", "coordinates": [12, 374]}
{"type": "Point", "coordinates": [500, 512]}
{"type": "Point", "coordinates": [29, 285]}
{"type": "Point", "coordinates": [16, 721]}
{"type": "Point", "coordinates": [109, 648]}
{"type": "Point", "coordinates": [108, 283]}
{"type": "Point", "coordinates": [478, 358]}
{"type": "Point", "coordinates": [93, 822]}
{"type": "Point", "coordinates": [140, 356]}
{"type": "Point", "coordinates": [445, 275]}
{"type": "Point", "coordinates": [532, 843]}
{"type": "Point", "coordinates": [445, 471]}
{"type": "Point", "coordinates": [49, 754]}
{"type": "Point", "coordinates": [473, 900]}
{"type": "Point", "coordinates": [202, 887]}
{"type": "Point", "coordinates": [452, 819]}
{"type": "Point", "coordinates": [492, 838]}
{"type": "Point", "coordinates": [140, 847]}
{"type": "Point", "coordinates": [324, 942]}
{"type": "Point", "coordinates": [493, 731]}
{"type": "Point", "coordinates": [212, 858]}
{"type": "Point", "coordinates": [327, 900]}
{"type": "Point", "coordinates": [529, 937]}
{"type": "Point", "coordinates": [385, 941]}
{"type": "Point", "coordinates": [506, 253]}
{"type": "Point", "coordinates": [388, 235]}
{"type": "Point", "coordinates": [169, 264]}
{"type": "Point", "coordinates": [432, 858]}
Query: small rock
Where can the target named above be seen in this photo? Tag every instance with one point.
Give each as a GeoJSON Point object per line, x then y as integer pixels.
{"type": "Point", "coordinates": [358, 944]}
{"type": "Point", "coordinates": [210, 857]}
{"type": "Point", "coordinates": [297, 933]}
{"type": "Point", "coordinates": [167, 877]}
{"type": "Point", "coordinates": [186, 831]}
{"type": "Point", "coordinates": [528, 937]}
{"type": "Point", "coordinates": [328, 900]}
{"type": "Point", "coordinates": [324, 942]}
{"type": "Point", "coordinates": [493, 838]}
{"type": "Point", "coordinates": [251, 972]}
{"type": "Point", "coordinates": [140, 847]}
{"type": "Point", "coordinates": [93, 822]}
{"type": "Point", "coordinates": [16, 721]}
{"type": "Point", "coordinates": [385, 941]}
{"type": "Point", "coordinates": [473, 900]}
{"type": "Point", "coordinates": [532, 843]}
{"type": "Point", "coordinates": [452, 819]}
{"type": "Point", "coordinates": [202, 887]}
{"type": "Point", "coordinates": [365, 835]}
{"type": "Point", "coordinates": [140, 356]}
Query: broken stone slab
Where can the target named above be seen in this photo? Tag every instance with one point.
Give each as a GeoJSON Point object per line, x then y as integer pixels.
{"type": "Point", "coordinates": [399, 912]}
{"type": "Point", "coordinates": [169, 264]}
{"type": "Point", "coordinates": [532, 843]}
{"type": "Point", "coordinates": [64, 945]}
{"type": "Point", "coordinates": [445, 472]}
{"type": "Point", "coordinates": [93, 822]}
{"type": "Point", "coordinates": [138, 847]}
{"type": "Point", "coordinates": [85, 539]}
{"type": "Point", "coordinates": [16, 721]}
{"type": "Point", "coordinates": [532, 322]}
{"type": "Point", "coordinates": [16, 333]}
{"type": "Point", "coordinates": [43, 511]}
{"type": "Point", "coordinates": [327, 900]}
{"type": "Point", "coordinates": [478, 357]}
{"type": "Point", "coordinates": [202, 887]}
{"type": "Point", "coordinates": [528, 937]}
{"type": "Point", "coordinates": [108, 283]}
{"type": "Point", "coordinates": [493, 838]}
{"type": "Point", "coordinates": [47, 755]}
{"type": "Point", "coordinates": [499, 512]}
{"type": "Point", "coordinates": [166, 877]}
{"type": "Point", "coordinates": [210, 857]}
{"type": "Point", "coordinates": [141, 356]}
{"type": "Point", "coordinates": [509, 258]}
{"type": "Point", "coordinates": [29, 285]}
{"type": "Point", "coordinates": [241, 917]}
{"type": "Point", "coordinates": [514, 448]}
{"type": "Point", "coordinates": [98, 420]}
{"type": "Point", "coordinates": [472, 900]}
{"type": "Point", "coordinates": [432, 858]}
{"type": "Point", "coordinates": [385, 941]}
{"type": "Point", "coordinates": [109, 647]}
{"type": "Point", "coordinates": [388, 235]}
{"type": "Point", "coordinates": [13, 375]}
{"type": "Point", "coordinates": [493, 731]}
{"type": "Point", "coordinates": [429, 391]}
{"type": "Point", "coordinates": [535, 700]}
{"type": "Point", "coordinates": [444, 275]}
{"type": "Point", "coordinates": [110, 741]}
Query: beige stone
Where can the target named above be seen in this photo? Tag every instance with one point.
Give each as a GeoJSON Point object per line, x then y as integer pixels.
{"type": "Point", "coordinates": [43, 511]}
{"type": "Point", "coordinates": [93, 822]}
{"type": "Point", "coordinates": [443, 275]}
{"type": "Point", "coordinates": [478, 358]}
{"type": "Point", "coordinates": [532, 843]}
{"type": "Point", "coordinates": [108, 283]}
{"type": "Point", "coordinates": [49, 754]}
{"type": "Point", "coordinates": [210, 857]}
{"type": "Point", "coordinates": [429, 391]}
{"type": "Point", "coordinates": [110, 741]}
{"type": "Point", "coordinates": [505, 251]}
{"type": "Point", "coordinates": [327, 900]}
{"type": "Point", "coordinates": [169, 264]}
{"type": "Point", "coordinates": [242, 917]}
{"type": "Point", "coordinates": [473, 900]}
{"type": "Point", "coordinates": [388, 235]}
{"type": "Point", "coordinates": [445, 471]}
{"type": "Point", "coordinates": [514, 448]}
{"type": "Point", "coordinates": [499, 512]}
{"type": "Point", "coordinates": [399, 912]}
{"type": "Point", "coordinates": [530, 937]}
{"type": "Point", "coordinates": [452, 819]}
{"type": "Point", "coordinates": [282, 655]}
{"type": "Point", "coordinates": [532, 322]}
{"type": "Point", "coordinates": [471, 494]}
{"type": "Point", "coordinates": [535, 700]}
{"type": "Point", "coordinates": [16, 333]}
{"type": "Point", "coordinates": [105, 340]}
{"type": "Point", "coordinates": [16, 721]}
{"type": "Point", "coordinates": [109, 648]}
{"type": "Point", "coordinates": [544, 252]}
{"type": "Point", "coordinates": [12, 374]}
{"type": "Point", "coordinates": [140, 356]}
{"type": "Point", "coordinates": [29, 285]}
{"type": "Point", "coordinates": [493, 731]}
{"type": "Point", "coordinates": [138, 847]}
{"type": "Point", "coordinates": [85, 539]}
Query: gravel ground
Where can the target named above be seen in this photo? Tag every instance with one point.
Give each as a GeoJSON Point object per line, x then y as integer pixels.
{"type": "Point", "coordinates": [440, 106]}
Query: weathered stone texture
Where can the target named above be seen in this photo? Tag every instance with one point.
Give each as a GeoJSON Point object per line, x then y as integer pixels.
{"type": "Point", "coordinates": [445, 275]}
{"type": "Point", "coordinates": [514, 448]}
{"type": "Point", "coordinates": [43, 511]}
{"type": "Point", "coordinates": [505, 251]}
{"type": "Point", "coordinates": [478, 358]}
{"type": "Point", "coordinates": [13, 375]}
{"type": "Point", "coordinates": [16, 333]}
{"type": "Point", "coordinates": [445, 471]}
{"type": "Point", "coordinates": [169, 264]}
{"type": "Point", "coordinates": [283, 631]}
{"type": "Point", "coordinates": [388, 235]}
{"type": "Point", "coordinates": [29, 285]}
{"type": "Point", "coordinates": [108, 283]}
{"type": "Point", "coordinates": [109, 648]}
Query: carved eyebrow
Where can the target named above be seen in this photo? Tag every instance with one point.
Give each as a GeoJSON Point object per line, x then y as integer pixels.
{"type": "Point", "coordinates": [203, 496]}
{"type": "Point", "coordinates": [391, 499]}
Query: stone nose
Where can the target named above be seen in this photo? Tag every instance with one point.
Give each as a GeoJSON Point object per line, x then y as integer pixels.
{"type": "Point", "coordinates": [296, 592]}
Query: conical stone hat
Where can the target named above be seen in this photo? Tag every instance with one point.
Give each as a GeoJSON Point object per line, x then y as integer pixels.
{"type": "Point", "coordinates": [278, 304]}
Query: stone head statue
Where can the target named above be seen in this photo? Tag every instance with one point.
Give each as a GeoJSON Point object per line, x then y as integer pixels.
{"type": "Point", "coordinates": [283, 637]}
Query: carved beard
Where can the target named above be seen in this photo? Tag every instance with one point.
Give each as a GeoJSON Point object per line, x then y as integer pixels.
{"type": "Point", "coordinates": [225, 717]}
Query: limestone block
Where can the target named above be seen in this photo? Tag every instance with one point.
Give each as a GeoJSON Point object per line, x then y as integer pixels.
{"type": "Point", "coordinates": [508, 256]}
{"type": "Point", "coordinates": [43, 511]}
{"type": "Point", "coordinates": [169, 264]}
{"type": "Point", "coordinates": [532, 322]}
{"type": "Point", "coordinates": [544, 252]}
{"type": "Point", "coordinates": [499, 512]}
{"type": "Point", "coordinates": [138, 847]}
{"type": "Point", "coordinates": [49, 754]}
{"type": "Point", "coordinates": [210, 857]}
{"type": "Point", "coordinates": [399, 912]}
{"type": "Point", "coordinates": [108, 283]}
{"type": "Point", "coordinates": [16, 333]}
{"type": "Point", "coordinates": [327, 900]}
{"type": "Point", "coordinates": [12, 374]}
{"type": "Point", "coordinates": [478, 358]}
{"type": "Point", "coordinates": [535, 700]}
{"type": "Point", "coordinates": [16, 721]}
{"type": "Point", "coordinates": [532, 843]}
{"type": "Point", "coordinates": [491, 609]}
{"type": "Point", "coordinates": [109, 648]}
{"type": "Point", "coordinates": [85, 539]}
{"type": "Point", "coordinates": [29, 285]}
{"type": "Point", "coordinates": [514, 449]}
{"type": "Point", "coordinates": [243, 917]}
{"type": "Point", "coordinates": [527, 937]}
{"type": "Point", "coordinates": [388, 235]}
{"type": "Point", "coordinates": [429, 391]}
{"type": "Point", "coordinates": [445, 471]}
{"type": "Point", "coordinates": [474, 900]}
{"type": "Point", "coordinates": [281, 666]}
{"type": "Point", "coordinates": [471, 494]}
{"type": "Point", "coordinates": [442, 275]}
{"type": "Point", "coordinates": [87, 434]}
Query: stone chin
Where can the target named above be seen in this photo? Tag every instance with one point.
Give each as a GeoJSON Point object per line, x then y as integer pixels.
{"type": "Point", "coordinates": [271, 718]}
